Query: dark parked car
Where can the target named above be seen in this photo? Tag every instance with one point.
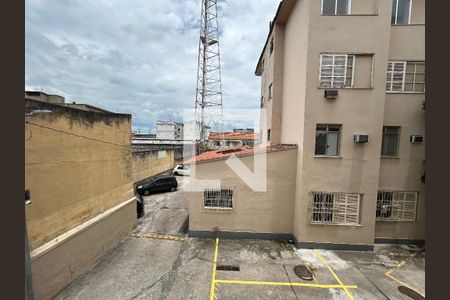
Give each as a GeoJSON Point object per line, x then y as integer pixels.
{"type": "Point", "coordinates": [160, 184]}
{"type": "Point", "coordinates": [140, 206]}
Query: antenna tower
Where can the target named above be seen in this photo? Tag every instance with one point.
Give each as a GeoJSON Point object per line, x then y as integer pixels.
{"type": "Point", "coordinates": [208, 100]}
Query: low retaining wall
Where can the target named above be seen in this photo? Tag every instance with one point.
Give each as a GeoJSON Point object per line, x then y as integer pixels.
{"type": "Point", "coordinates": [59, 262]}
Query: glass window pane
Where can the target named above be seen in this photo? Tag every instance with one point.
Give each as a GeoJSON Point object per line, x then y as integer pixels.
{"type": "Point", "coordinates": [332, 143]}
{"type": "Point", "coordinates": [410, 67]}
{"type": "Point", "coordinates": [419, 87]}
{"type": "Point", "coordinates": [420, 67]}
{"type": "Point", "coordinates": [403, 12]}
{"type": "Point", "coordinates": [408, 87]}
{"type": "Point", "coordinates": [420, 77]}
{"type": "Point", "coordinates": [409, 78]}
{"type": "Point", "coordinates": [394, 11]}
{"type": "Point", "coordinates": [321, 143]}
{"type": "Point", "coordinates": [342, 7]}
{"type": "Point", "coordinates": [329, 7]}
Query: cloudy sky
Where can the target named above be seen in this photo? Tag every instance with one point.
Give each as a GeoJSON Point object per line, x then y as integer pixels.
{"type": "Point", "coordinates": [140, 56]}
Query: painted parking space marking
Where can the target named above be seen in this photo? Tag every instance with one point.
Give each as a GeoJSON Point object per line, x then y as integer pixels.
{"type": "Point", "coordinates": [398, 266]}
{"type": "Point", "coordinates": [280, 283]}
{"type": "Point", "coordinates": [159, 237]}
{"type": "Point", "coordinates": [216, 283]}
{"type": "Point", "coordinates": [341, 285]}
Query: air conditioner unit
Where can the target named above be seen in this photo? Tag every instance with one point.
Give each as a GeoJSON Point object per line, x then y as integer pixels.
{"type": "Point", "coordinates": [331, 94]}
{"type": "Point", "coordinates": [416, 139]}
{"type": "Point", "coordinates": [361, 138]}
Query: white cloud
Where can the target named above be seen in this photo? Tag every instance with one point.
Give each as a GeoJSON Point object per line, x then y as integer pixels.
{"type": "Point", "coordinates": [140, 56]}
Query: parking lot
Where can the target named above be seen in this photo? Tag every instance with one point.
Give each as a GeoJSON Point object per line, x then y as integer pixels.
{"type": "Point", "coordinates": [158, 261]}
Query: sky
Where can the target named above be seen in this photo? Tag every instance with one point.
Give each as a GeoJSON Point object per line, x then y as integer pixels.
{"type": "Point", "coordinates": [140, 56]}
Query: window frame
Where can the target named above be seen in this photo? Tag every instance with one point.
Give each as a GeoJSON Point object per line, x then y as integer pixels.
{"type": "Point", "coordinates": [397, 206]}
{"type": "Point", "coordinates": [343, 209]}
{"type": "Point", "coordinates": [333, 66]}
{"type": "Point", "coordinates": [349, 9]}
{"type": "Point", "coordinates": [327, 131]}
{"type": "Point", "coordinates": [218, 208]}
{"type": "Point", "coordinates": [397, 146]}
{"type": "Point", "coordinates": [396, 14]}
{"type": "Point", "coordinates": [404, 73]}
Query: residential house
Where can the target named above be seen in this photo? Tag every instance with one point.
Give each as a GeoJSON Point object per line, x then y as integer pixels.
{"type": "Point", "coordinates": [232, 139]}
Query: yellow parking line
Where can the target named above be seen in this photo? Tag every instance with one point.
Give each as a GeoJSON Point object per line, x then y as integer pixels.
{"type": "Point", "coordinates": [157, 236]}
{"type": "Point", "coordinates": [398, 266]}
{"type": "Point", "coordinates": [213, 280]}
{"type": "Point", "coordinates": [324, 286]}
{"type": "Point", "coordinates": [334, 274]}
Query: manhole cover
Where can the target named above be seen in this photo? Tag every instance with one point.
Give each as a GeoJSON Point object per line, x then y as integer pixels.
{"type": "Point", "coordinates": [303, 272]}
{"type": "Point", "coordinates": [410, 293]}
{"type": "Point", "coordinates": [227, 268]}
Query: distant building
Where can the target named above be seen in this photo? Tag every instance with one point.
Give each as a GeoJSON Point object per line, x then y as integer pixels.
{"type": "Point", "coordinates": [169, 130]}
{"type": "Point", "coordinates": [192, 131]}
{"type": "Point", "coordinates": [233, 139]}
{"type": "Point", "coordinates": [246, 130]}
{"type": "Point", "coordinates": [44, 97]}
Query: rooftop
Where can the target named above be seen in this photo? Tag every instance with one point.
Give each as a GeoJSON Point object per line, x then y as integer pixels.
{"type": "Point", "coordinates": [239, 152]}
{"type": "Point", "coordinates": [233, 136]}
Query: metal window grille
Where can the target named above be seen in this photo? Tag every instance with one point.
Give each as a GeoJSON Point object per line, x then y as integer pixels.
{"type": "Point", "coordinates": [405, 76]}
{"type": "Point", "coordinates": [396, 206]}
{"type": "Point", "coordinates": [336, 70]}
{"type": "Point", "coordinates": [334, 208]}
{"type": "Point", "coordinates": [389, 142]}
{"type": "Point", "coordinates": [218, 199]}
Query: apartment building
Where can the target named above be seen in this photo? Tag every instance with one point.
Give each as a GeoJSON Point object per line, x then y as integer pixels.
{"type": "Point", "coordinates": [169, 130]}
{"type": "Point", "coordinates": [345, 81]}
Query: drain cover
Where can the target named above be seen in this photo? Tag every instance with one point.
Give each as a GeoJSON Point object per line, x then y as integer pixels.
{"type": "Point", "coordinates": [303, 272]}
{"type": "Point", "coordinates": [410, 293]}
{"type": "Point", "coordinates": [227, 268]}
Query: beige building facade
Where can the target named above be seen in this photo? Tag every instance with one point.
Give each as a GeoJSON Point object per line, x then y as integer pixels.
{"type": "Point", "coordinates": [78, 169]}
{"type": "Point", "coordinates": [345, 81]}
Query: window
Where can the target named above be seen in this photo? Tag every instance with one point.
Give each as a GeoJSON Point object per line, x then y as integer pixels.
{"type": "Point", "coordinates": [396, 206]}
{"type": "Point", "coordinates": [334, 208]}
{"type": "Point", "coordinates": [401, 12]}
{"type": "Point", "coordinates": [406, 76]}
{"type": "Point", "coordinates": [262, 101]}
{"type": "Point", "coordinates": [218, 199]}
{"type": "Point", "coordinates": [389, 142]}
{"type": "Point", "coordinates": [327, 139]}
{"type": "Point", "coordinates": [336, 70]}
{"type": "Point", "coordinates": [271, 46]}
{"type": "Point", "coordinates": [336, 7]}
{"type": "Point", "coordinates": [270, 91]}
{"type": "Point", "coordinates": [268, 135]}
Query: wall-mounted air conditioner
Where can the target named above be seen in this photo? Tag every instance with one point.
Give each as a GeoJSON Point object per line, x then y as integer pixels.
{"type": "Point", "coordinates": [330, 94]}
{"type": "Point", "coordinates": [361, 138]}
{"type": "Point", "coordinates": [416, 139]}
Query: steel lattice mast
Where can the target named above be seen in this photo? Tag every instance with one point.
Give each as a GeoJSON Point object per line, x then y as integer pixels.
{"type": "Point", "coordinates": [208, 101]}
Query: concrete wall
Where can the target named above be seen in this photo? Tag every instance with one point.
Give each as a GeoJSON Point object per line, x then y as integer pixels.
{"type": "Point", "coordinates": [146, 164]}
{"type": "Point", "coordinates": [256, 212]}
{"type": "Point", "coordinates": [77, 168]}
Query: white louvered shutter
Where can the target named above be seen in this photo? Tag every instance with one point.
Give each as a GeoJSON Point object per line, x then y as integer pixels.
{"type": "Point", "coordinates": [396, 76]}
{"type": "Point", "coordinates": [346, 208]}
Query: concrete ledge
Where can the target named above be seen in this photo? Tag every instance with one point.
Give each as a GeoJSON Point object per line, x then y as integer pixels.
{"type": "Point", "coordinates": [58, 263]}
{"type": "Point", "coordinates": [240, 235]}
{"type": "Point", "coordinates": [334, 246]}
{"type": "Point", "coordinates": [399, 241]}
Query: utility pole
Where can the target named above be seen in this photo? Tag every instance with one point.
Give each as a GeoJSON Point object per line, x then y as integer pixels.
{"type": "Point", "coordinates": [208, 100]}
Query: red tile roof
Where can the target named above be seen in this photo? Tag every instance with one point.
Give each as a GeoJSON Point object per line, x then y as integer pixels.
{"type": "Point", "coordinates": [234, 136]}
{"type": "Point", "coordinates": [237, 151]}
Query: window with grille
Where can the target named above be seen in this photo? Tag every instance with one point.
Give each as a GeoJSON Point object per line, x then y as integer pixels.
{"type": "Point", "coordinates": [401, 12]}
{"type": "Point", "coordinates": [334, 208]}
{"type": "Point", "coordinates": [396, 206]}
{"type": "Point", "coordinates": [336, 70]}
{"type": "Point", "coordinates": [390, 141]}
{"type": "Point", "coordinates": [327, 139]}
{"type": "Point", "coordinates": [406, 76]}
{"type": "Point", "coordinates": [336, 7]}
{"type": "Point", "coordinates": [218, 199]}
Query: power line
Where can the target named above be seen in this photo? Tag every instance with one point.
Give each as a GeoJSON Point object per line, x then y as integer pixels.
{"type": "Point", "coordinates": [80, 136]}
